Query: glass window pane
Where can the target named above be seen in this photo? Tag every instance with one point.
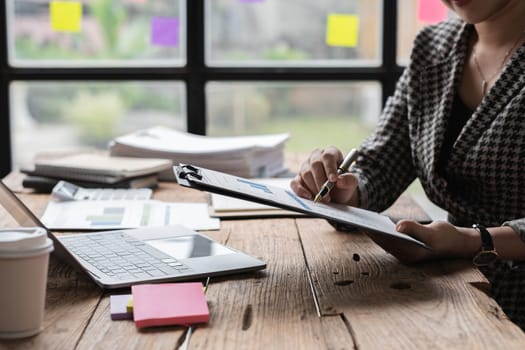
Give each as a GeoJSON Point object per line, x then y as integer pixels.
{"type": "Point", "coordinates": [293, 32]}
{"type": "Point", "coordinates": [86, 33]}
{"type": "Point", "coordinates": [315, 114]}
{"type": "Point", "coordinates": [54, 115]}
{"type": "Point", "coordinates": [412, 16]}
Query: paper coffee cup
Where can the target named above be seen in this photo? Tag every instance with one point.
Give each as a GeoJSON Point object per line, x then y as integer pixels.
{"type": "Point", "coordinates": [24, 259]}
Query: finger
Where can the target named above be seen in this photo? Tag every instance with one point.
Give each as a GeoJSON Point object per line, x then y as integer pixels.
{"type": "Point", "coordinates": [331, 157]}
{"type": "Point", "coordinates": [307, 178]}
{"type": "Point", "coordinates": [299, 189]}
{"type": "Point", "coordinates": [314, 172]}
{"type": "Point", "coordinates": [415, 229]}
{"type": "Point", "coordinates": [317, 168]}
{"type": "Point", "coordinates": [346, 182]}
{"type": "Point", "coordinates": [346, 186]}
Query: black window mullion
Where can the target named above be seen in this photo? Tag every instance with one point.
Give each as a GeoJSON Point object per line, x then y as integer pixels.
{"type": "Point", "coordinates": [5, 135]}
{"type": "Point", "coordinates": [196, 68]}
{"type": "Point", "coordinates": [300, 74]}
{"type": "Point", "coordinates": [392, 70]}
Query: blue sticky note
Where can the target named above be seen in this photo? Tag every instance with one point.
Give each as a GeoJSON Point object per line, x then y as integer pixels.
{"type": "Point", "coordinates": [118, 307]}
{"type": "Point", "coordinates": [165, 31]}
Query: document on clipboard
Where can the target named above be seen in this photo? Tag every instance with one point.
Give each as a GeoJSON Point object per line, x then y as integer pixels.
{"type": "Point", "coordinates": [217, 182]}
{"type": "Point", "coordinates": [228, 207]}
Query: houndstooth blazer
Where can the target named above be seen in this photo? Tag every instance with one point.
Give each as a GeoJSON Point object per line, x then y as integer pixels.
{"type": "Point", "coordinates": [485, 180]}
{"type": "Point", "coordinates": [488, 158]}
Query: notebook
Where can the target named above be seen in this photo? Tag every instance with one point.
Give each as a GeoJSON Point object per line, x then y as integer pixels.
{"type": "Point", "coordinates": [99, 167]}
{"type": "Point", "coordinates": [121, 258]}
{"type": "Point", "coordinates": [46, 184]}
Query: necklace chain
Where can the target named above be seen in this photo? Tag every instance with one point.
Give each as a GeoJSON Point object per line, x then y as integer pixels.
{"type": "Point", "coordinates": [485, 81]}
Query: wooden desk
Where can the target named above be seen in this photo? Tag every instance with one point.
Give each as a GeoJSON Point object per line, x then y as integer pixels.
{"type": "Point", "coordinates": [322, 289]}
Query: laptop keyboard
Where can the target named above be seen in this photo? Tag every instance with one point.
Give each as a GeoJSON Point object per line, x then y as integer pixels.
{"type": "Point", "coordinates": [123, 257]}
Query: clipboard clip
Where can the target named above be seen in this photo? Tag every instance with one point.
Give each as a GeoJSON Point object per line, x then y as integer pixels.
{"type": "Point", "coordinates": [185, 170]}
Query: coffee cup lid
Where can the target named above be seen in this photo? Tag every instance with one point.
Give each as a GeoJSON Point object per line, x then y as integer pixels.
{"type": "Point", "coordinates": [24, 241]}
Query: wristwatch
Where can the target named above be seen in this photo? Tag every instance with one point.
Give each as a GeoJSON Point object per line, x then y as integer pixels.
{"type": "Point", "coordinates": [487, 255]}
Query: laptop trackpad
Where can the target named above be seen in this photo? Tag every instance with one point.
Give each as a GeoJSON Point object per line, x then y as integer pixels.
{"type": "Point", "coordinates": [190, 246]}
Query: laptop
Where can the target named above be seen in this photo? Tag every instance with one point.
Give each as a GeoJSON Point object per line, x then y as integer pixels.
{"type": "Point", "coordinates": [121, 258]}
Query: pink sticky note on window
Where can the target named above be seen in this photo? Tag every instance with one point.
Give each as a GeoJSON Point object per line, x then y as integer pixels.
{"type": "Point", "coordinates": [165, 31]}
{"type": "Point", "coordinates": [431, 11]}
{"type": "Point", "coordinates": [169, 304]}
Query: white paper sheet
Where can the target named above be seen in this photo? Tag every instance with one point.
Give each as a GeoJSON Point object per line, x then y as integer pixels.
{"type": "Point", "coordinates": [221, 203]}
{"type": "Point", "coordinates": [214, 181]}
{"type": "Point", "coordinates": [114, 214]}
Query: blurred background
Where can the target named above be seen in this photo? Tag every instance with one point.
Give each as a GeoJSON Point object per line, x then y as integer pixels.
{"type": "Point", "coordinates": [82, 72]}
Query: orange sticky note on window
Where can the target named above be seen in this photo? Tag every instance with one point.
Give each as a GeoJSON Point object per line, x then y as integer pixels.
{"type": "Point", "coordinates": [431, 11]}
{"type": "Point", "coordinates": [65, 16]}
{"type": "Point", "coordinates": [342, 30]}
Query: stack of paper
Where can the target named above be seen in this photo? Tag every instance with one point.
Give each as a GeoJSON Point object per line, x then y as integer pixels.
{"type": "Point", "coordinates": [245, 156]}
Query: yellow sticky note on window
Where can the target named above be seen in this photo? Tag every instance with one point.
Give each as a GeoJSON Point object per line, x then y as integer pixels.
{"type": "Point", "coordinates": [65, 16]}
{"type": "Point", "coordinates": [342, 30]}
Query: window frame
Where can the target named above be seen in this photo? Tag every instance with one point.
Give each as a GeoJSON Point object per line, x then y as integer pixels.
{"type": "Point", "coordinates": [195, 74]}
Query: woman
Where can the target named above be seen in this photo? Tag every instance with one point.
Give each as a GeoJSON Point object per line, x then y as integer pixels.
{"type": "Point", "coordinates": [456, 122]}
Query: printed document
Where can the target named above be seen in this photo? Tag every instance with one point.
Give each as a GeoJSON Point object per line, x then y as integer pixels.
{"type": "Point", "coordinates": [121, 214]}
{"type": "Point", "coordinates": [214, 181]}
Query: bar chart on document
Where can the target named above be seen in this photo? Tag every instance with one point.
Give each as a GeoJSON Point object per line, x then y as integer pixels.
{"type": "Point", "coordinates": [109, 216]}
{"type": "Point", "coordinates": [224, 183]}
{"type": "Point", "coordinates": [334, 211]}
{"type": "Point", "coordinates": [115, 214]}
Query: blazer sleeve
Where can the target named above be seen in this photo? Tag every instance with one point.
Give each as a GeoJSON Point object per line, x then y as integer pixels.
{"type": "Point", "coordinates": [517, 225]}
{"type": "Point", "coordinates": [385, 168]}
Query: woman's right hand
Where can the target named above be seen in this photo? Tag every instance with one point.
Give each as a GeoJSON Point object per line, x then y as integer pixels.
{"type": "Point", "coordinates": [320, 166]}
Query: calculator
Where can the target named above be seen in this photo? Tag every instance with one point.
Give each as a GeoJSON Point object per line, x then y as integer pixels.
{"type": "Point", "coordinates": [66, 191]}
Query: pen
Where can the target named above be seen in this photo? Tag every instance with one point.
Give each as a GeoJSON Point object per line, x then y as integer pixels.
{"type": "Point", "coordinates": [343, 168]}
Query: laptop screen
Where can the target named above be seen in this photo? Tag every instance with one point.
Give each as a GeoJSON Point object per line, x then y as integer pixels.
{"type": "Point", "coordinates": [18, 210]}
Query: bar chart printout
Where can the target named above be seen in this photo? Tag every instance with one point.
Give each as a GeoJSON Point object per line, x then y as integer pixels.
{"type": "Point", "coordinates": [123, 214]}
{"type": "Point", "coordinates": [109, 216]}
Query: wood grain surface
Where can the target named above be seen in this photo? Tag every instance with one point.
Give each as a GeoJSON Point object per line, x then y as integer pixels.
{"type": "Point", "coordinates": [322, 289]}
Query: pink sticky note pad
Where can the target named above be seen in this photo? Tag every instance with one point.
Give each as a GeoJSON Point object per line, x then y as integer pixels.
{"type": "Point", "coordinates": [165, 31]}
{"type": "Point", "coordinates": [117, 305]}
{"type": "Point", "coordinates": [431, 11]}
{"type": "Point", "coordinates": [169, 304]}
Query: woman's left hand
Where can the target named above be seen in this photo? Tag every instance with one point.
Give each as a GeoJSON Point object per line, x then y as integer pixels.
{"type": "Point", "coordinates": [446, 241]}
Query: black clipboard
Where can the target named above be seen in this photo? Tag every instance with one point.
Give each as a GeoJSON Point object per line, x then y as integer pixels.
{"type": "Point", "coordinates": [217, 182]}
